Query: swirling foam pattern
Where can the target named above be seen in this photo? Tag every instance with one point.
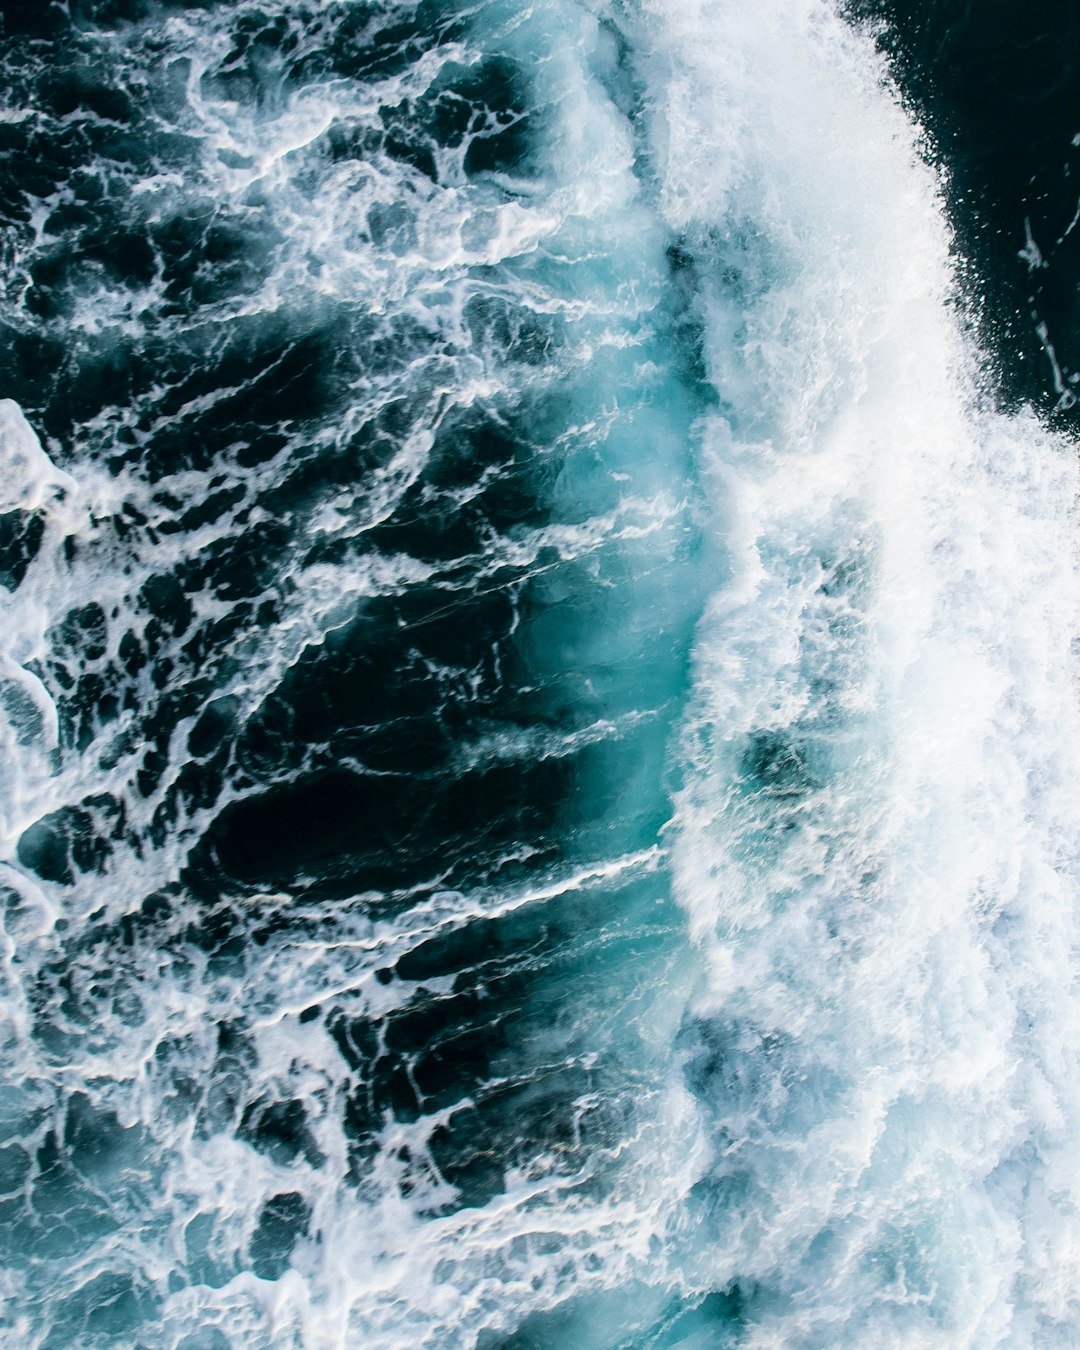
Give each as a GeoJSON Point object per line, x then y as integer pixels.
{"type": "Point", "coordinates": [541, 801]}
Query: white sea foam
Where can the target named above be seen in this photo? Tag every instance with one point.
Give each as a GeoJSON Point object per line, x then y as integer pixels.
{"type": "Point", "coordinates": [851, 1098]}
{"type": "Point", "coordinates": [163, 1044]}
{"type": "Point", "coordinates": [877, 846]}
{"type": "Point", "coordinates": [31, 481]}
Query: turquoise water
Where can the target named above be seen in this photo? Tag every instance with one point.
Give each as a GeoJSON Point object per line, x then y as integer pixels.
{"type": "Point", "coordinates": [538, 692]}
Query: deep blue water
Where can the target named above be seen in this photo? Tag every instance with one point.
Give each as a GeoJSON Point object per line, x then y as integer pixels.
{"type": "Point", "coordinates": [538, 689]}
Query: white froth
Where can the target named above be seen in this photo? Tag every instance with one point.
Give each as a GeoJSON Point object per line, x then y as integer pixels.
{"type": "Point", "coordinates": [855, 1093]}
{"type": "Point", "coordinates": [898, 621]}
{"type": "Point", "coordinates": [29, 481]}
{"type": "Point", "coordinates": [138, 1037]}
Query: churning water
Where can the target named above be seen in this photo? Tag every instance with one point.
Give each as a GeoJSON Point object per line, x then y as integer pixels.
{"type": "Point", "coordinates": [538, 695]}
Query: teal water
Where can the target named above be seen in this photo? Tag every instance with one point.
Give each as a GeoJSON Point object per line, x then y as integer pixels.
{"type": "Point", "coordinates": [538, 694]}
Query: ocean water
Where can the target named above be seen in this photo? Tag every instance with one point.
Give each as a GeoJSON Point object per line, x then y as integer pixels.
{"type": "Point", "coordinates": [538, 676]}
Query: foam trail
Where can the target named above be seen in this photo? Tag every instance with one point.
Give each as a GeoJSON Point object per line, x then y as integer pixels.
{"type": "Point", "coordinates": [337, 939]}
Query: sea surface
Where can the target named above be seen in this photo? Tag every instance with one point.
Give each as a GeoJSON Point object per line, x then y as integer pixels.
{"type": "Point", "coordinates": [539, 709]}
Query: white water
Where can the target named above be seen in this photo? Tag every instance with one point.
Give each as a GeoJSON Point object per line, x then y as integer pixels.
{"type": "Point", "coordinates": [856, 1084]}
{"type": "Point", "coordinates": [890, 948]}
